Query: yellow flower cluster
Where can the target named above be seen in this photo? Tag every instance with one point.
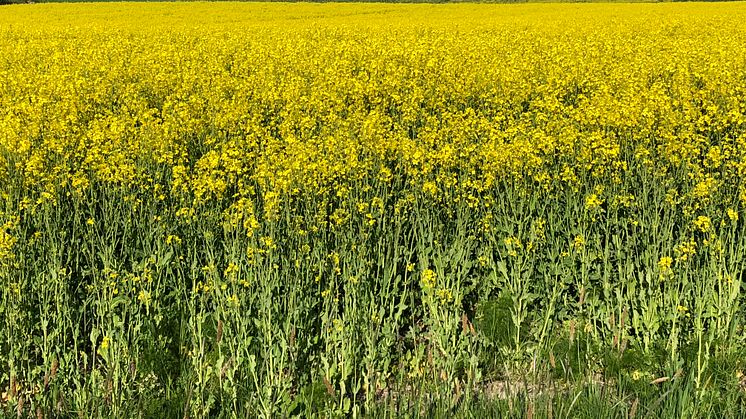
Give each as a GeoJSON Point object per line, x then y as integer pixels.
{"type": "Point", "coordinates": [7, 241]}
{"type": "Point", "coordinates": [428, 278]}
{"type": "Point", "coordinates": [196, 113]}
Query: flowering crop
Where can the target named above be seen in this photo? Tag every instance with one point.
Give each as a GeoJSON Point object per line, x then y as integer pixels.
{"type": "Point", "coordinates": [279, 209]}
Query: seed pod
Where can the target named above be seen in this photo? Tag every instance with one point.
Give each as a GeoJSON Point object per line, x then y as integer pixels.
{"type": "Point", "coordinates": [633, 408]}
{"type": "Point", "coordinates": [457, 392]}
{"type": "Point", "coordinates": [219, 333]}
{"type": "Point", "coordinates": [225, 367]}
{"type": "Point", "coordinates": [55, 366]}
{"type": "Point", "coordinates": [19, 406]}
{"type": "Point", "coordinates": [50, 374]}
{"type": "Point", "coordinates": [329, 387]}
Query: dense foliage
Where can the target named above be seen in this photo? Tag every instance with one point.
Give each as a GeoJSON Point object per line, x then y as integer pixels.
{"type": "Point", "coordinates": [270, 210]}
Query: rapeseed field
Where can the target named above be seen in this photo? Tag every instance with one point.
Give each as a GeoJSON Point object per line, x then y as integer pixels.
{"type": "Point", "coordinates": [347, 210]}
